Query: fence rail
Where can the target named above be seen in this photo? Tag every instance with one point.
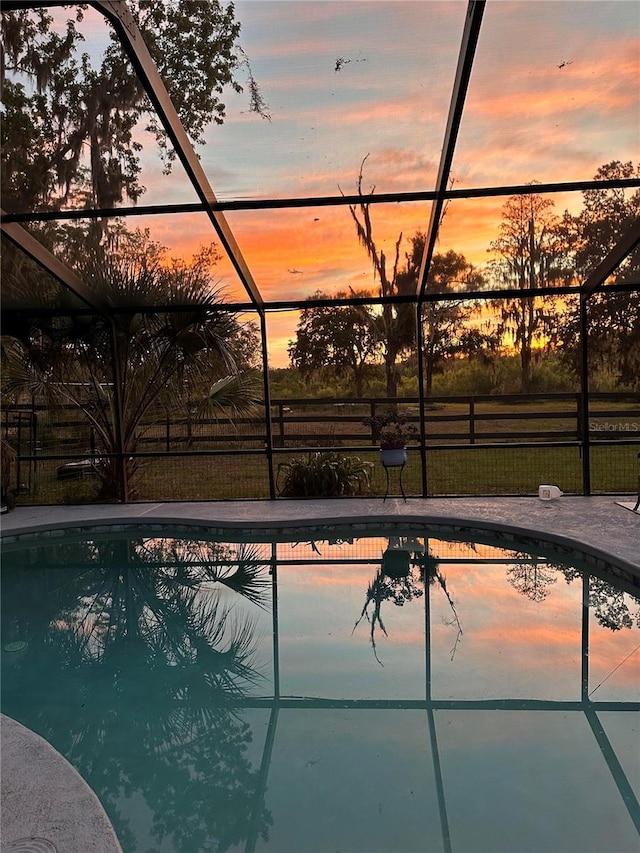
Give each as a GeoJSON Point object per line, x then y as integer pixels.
{"type": "Point", "coordinates": [451, 424]}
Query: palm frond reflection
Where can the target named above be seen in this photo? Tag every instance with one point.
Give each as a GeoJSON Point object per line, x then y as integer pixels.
{"type": "Point", "coordinates": [135, 670]}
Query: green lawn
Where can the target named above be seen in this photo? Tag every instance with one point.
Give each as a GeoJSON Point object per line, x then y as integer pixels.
{"type": "Point", "coordinates": [474, 471]}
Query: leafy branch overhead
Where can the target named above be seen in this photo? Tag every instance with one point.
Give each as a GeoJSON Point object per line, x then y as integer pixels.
{"type": "Point", "coordinates": [68, 124]}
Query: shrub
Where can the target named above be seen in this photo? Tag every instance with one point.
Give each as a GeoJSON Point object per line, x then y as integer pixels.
{"type": "Point", "coordinates": [324, 475]}
{"type": "Point", "coordinates": [391, 429]}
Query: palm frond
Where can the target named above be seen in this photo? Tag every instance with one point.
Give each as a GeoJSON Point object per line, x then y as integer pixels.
{"type": "Point", "coordinates": [237, 394]}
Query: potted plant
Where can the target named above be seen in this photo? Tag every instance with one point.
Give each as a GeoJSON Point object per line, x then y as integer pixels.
{"type": "Point", "coordinates": [394, 437]}
{"type": "Point", "coordinates": [393, 433]}
{"type": "Point", "coordinates": [396, 563]}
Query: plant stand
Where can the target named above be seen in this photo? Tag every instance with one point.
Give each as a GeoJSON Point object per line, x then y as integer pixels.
{"type": "Point", "coordinates": [387, 467]}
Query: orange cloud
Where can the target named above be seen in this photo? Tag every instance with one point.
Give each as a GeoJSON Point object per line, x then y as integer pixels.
{"type": "Point", "coordinates": [292, 253]}
{"type": "Point", "coordinates": [606, 85]}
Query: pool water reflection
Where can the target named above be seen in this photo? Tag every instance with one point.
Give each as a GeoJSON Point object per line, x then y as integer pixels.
{"type": "Point", "coordinates": [391, 693]}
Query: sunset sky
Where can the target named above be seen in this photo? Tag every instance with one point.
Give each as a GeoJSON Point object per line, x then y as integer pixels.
{"type": "Point", "coordinates": [553, 96]}
{"type": "Point", "coordinates": [511, 646]}
{"type": "Point", "coordinates": [343, 80]}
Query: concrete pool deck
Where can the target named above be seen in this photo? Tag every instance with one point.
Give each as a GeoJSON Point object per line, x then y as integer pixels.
{"type": "Point", "coordinates": [598, 526]}
{"type": "Point", "coordinates": [36, 779]}
{"type": "Point", "coordinates": [46, 804]}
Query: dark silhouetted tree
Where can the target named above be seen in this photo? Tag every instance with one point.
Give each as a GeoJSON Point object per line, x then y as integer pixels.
{"type": "Point", "coordinates": [532, 578]}
{"type": "Point", "coordinates": [613, 317]}
{"type": "Point", "coordinates": [529, 254]}
{"type": "Point", "coordinates": [338, 338]}
{"type": "Point", "coordinates": [398, 322]}
{"type": "Point", "coordinates": [165, 362]}
{"type": "Point", "coordinates": [133, 668]}
{"type": "Point", "coordinates": [449, 328]}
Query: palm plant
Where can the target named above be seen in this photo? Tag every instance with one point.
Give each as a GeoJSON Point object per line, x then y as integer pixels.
{"type": "Point", "coordinates": [141, 361]}
{"type": "Point", "coordinates": [325, 474]}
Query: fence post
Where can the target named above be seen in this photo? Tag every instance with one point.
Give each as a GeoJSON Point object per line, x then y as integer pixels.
{"type": "Point", "coordinates": [19, 455]}
{"type": "Point", "coordinates": [189, 430]}
{"type": "Point", "coordinates": [472, 421]}
{"type": "Point", "coordinates": [34, 444]}
{"type": "Point", "coordinates": [281, 432]}
{"type": "Point", "coordinates": [372, 413]}
{"type": "Point", "coordinates": [122, 478]}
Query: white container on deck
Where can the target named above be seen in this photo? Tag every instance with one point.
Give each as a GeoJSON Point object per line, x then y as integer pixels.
{"type": "Point", "coordinates": [548, 493]}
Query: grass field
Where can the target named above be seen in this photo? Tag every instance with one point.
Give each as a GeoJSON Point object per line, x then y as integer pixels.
{"type": "Point", "coordinates": [477, 470]}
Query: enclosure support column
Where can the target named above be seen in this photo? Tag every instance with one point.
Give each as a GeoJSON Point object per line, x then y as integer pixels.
{"type": "Point", "coordinates": [615, 768]}
{"type": "Point", "coordinates": [274, 620]}
{"type": "Point", "coordinates": [427, 625]}
{"type": "Point", "coordinates": [121, 462]}
{"type": "Point", "coordinates": [263, 776]}
{"type": "Point", "coordinates": [584, 401]}
{"type": "Point", "coordinates": [433, 737]}
{"type": "Point", "coordinates": [34, 443]}
{"type": "Point", "coordinates": [584, 689]}
{"type": "Point", "coordinates": [267, 403]}
{"type": "Point", "coordinates": [421, 399]}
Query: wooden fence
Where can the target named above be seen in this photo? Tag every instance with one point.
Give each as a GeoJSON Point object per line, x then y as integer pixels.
{"type": "Point", "coordinates": [455, 423]}
{"type": "Point", "coordinates": [330, 422]}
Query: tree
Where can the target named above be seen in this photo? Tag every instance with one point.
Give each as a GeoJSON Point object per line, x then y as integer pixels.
{"type": "Point", "coordinates": [613, 336]}
{"type": "Point", "coordinates": [606, 215]}
{"type": "Point", "coordinates": [246, 346]}
{"type": "Point", "coordinates": [398, 321]}
{"type": "Point", "coordinates": [446, 325]}
{"type": "Point", "coordinates": [83, 119]}
{"type": "Point", "coordinates": [403, 586]}
{"type": "Point", "coordinates": [530, 254]}
{"type": "Point", "coordinates": [26, 173]}
{"type": "Point", "coordinates": [614, 317]}
{"type": "Point", "coordinates": [530, 578]}
{"type": "Point", "coordinates": [341, 338]}
{"type": "Point", "coordinates": [142, 356]}
{"type": "Point", "coordinates": [611, 606]}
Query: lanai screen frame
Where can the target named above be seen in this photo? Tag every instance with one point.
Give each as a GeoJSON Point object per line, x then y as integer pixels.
{"type": "Point", "coordinates": [120, 17]}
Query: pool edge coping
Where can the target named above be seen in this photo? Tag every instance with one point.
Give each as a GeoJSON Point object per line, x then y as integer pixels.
{"type": "Point", "coordinates": [284, 527]}
{"type": "Point", "coordinates": [46, 797]}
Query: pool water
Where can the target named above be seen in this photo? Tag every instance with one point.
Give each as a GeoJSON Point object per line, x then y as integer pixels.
{"type": "Point", "coordinates": [387, 693]}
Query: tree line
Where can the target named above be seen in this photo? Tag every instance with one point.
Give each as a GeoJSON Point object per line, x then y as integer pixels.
{"type": "Point", "coordinates": [535, 249]}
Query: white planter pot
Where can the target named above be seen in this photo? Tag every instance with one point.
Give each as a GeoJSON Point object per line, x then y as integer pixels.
{"type": "Point", "coordinates": [392, 456]}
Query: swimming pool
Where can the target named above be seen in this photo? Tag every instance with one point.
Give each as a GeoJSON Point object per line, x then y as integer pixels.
{"type": "Point", "coordinates": [394, 689]}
